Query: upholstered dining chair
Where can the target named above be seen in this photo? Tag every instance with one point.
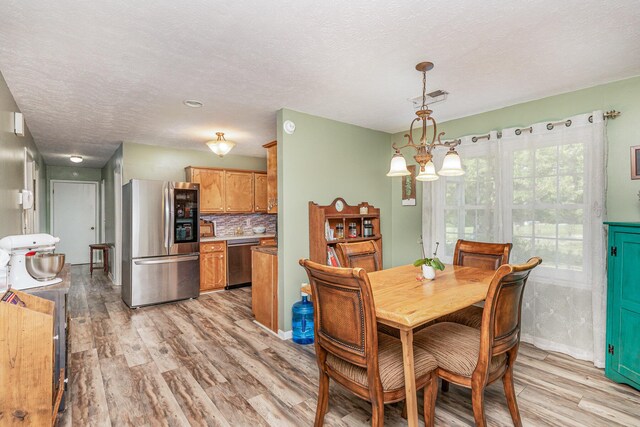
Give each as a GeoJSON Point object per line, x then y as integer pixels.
{"type": "Point", "coordinates": [363, 255]}
{"type": "Point", "coordinates": [489, 256]}
{"type": "Point", "coordinates": [476, 358]}
{"type": "Point", "coordinates": [349, 349]}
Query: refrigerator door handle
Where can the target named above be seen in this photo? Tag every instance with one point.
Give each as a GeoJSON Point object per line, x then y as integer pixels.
{"type": "Point", "coordinates": [167, 260]}
{"type": "Point", "coordinates": [172, 208]}
{"type": "Point", "coordinates": [166, 216]}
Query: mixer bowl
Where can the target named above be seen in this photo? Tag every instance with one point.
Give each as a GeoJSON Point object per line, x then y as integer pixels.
{"type": "Point", "coordinates": [44, 266]}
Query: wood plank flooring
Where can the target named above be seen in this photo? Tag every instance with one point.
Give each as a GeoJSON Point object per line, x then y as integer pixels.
{"type": "Point", "coordinates": [204, 362]}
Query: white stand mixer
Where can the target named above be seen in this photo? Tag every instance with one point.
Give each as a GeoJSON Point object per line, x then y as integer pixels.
{"type": "Point", "coordinates": [17, 247]}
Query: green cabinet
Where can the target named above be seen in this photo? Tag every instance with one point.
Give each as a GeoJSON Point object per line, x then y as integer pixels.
{"type": "Point", "coordinates": [623, 304]}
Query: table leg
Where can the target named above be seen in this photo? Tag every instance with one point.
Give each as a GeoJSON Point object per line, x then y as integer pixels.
{"type": "Point", "coordinates": [409, 377]}
{"type": "Point", "coordinates": [91, 262]}
{"type": "Point", "coordinates": [105, 259]}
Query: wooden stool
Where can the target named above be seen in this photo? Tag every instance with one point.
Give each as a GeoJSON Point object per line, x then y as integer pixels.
{"type": "Point", "coordinates": [104, 247]}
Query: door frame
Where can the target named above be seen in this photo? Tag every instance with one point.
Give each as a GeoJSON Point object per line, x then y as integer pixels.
{"type": "Point", "coordinates": [97, 201]}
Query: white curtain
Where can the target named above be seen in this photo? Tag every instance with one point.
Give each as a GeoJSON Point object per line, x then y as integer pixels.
{"type": "Point", "coordinates": [543, 188]}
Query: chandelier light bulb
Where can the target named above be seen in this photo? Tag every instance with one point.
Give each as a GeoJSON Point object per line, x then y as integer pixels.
{"type": "Point", "coordinates": [429, 173]}
{"type": "Point", "coordinates": [451, 165]}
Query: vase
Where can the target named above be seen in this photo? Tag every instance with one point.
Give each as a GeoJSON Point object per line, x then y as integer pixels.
{"type": "Point", "coordinates": [428, 272]}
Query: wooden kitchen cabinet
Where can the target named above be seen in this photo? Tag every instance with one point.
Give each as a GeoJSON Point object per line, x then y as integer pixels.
{"type": "Point", "coordinates": [238, 191]}
{"type": "Point", "coordinates": [260, 192]}
{"type": "Point", "coordinates": [272, 176]}
{"type": "Point", "coordinates": [213, 266]}
{"type": "Point", "coordinates": [212, 194]}
{"type": "Point", "coordinates": [264, 286]}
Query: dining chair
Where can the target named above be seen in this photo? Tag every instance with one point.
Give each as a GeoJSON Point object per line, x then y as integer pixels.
{"type": "Point", "coordinates": [363, 255]}
{"type": "Point", "coordinates": [476, 358]}
{"type": "Point", "coordinates": [349, 349]}
{"type": "Point", "coordinates": [488, 256]}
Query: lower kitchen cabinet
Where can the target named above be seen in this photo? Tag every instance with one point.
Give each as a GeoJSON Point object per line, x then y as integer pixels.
{"type": "Point", "coordinates": [213, 266]}
{"type": "Point", "coordinates": [264, 287]}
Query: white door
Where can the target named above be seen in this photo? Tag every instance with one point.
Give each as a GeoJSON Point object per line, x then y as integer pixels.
{"type": "Point", "coordinates": [74, 218]}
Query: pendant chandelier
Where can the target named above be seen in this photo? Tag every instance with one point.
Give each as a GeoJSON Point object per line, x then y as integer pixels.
{"type": "Point", "coordinates": [221, 146]}
{"type": "Point", "coordinates": [451, 166]}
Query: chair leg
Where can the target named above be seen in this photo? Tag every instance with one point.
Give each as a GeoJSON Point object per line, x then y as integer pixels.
{"type": "Point", "coordinates": [430, 394]}
{"type": "Point", "coordinates": [510, 393]}
{"type": "Point", "coordinates": [323, 399]}
{"type": "Point", "coordinates": [377, 414]}
{"type": "Point", "coordinates": [91, 262]}
{"type": "Point", "coordinates": [477, 401]}
{"type": "Point", "coordinates": [403, 414]}
{"type": "Point", "coordinates": [445, 386]}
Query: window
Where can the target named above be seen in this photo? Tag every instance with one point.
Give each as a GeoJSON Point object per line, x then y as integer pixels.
{"type": "Point", "coordinates": [547, 204]}
{"type": "Point", "coordinates": [529, 190]}
{"type": "Point", "coordinates": [470, 200]}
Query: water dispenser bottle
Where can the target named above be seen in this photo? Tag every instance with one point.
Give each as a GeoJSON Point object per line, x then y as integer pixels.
{"type": "Point", "coordinates": [302, 321]}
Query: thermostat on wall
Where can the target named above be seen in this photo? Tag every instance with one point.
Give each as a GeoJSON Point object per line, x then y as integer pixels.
{"type": "Point", "coordinates": [18, 124]}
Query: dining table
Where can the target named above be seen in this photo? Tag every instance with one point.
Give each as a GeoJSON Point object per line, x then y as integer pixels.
{"type": "Point", "coordinates": [405, 300]}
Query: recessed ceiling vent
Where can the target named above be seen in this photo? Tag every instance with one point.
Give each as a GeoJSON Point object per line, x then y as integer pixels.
{"type": "Point", "coordinates": [432, 98]}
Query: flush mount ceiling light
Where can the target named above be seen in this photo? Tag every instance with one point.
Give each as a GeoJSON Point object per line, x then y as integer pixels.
{"type": "Point", "coordinates": [76, 159]}
{"type": "Point", "coordinates": [451, 165]}
{"type": "Point", "coordinates": [192, 103]}
{"type": "Point", "coordinates": [221, 146]}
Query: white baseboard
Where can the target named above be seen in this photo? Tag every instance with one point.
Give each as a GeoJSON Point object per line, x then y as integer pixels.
{"type": "Point", "coordinates": [284, 335]}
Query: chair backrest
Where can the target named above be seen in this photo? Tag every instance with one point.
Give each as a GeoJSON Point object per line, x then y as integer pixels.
{"type": "Point", "coordinates": [489, 256]}
{"type": "Point", "coordinates": [363, 255]}
{"type": "Point", "coordinates": [344, 313]}
{"type": "Point", "coordinates": [501, 316]}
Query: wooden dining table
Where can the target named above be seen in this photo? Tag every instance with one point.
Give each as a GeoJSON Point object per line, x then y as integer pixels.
{"type": "Point", "coordinates": [404, 300]}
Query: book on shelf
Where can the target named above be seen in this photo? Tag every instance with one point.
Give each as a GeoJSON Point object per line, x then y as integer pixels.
{"type": "Point", "coordinates": [332, 257]}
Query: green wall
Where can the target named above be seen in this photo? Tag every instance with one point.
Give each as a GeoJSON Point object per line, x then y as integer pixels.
{"type": "Point", "coordinates": [623, 132]}
{"type": "Point", "coordinates": [153, 162]}
{"type": "Point", "coordinates": [322, 160]}
{"type": "Point", "coordinates": [12, 167]}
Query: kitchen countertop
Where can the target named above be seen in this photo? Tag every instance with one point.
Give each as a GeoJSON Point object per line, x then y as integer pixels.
{"type": "Point", "coordinates": [234, 237]}
{"type": "Point", "coordinates": [270, 250]}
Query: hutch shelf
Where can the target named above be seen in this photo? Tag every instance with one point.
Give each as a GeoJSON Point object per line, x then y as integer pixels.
{"type": "Point", "coordinates": [324, 220]}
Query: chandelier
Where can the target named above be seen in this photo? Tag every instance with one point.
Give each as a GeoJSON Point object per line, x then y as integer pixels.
{"type": "Point", "coordinates": [451, 166]}
{"type": "Point", "coordinates": [221, 146]}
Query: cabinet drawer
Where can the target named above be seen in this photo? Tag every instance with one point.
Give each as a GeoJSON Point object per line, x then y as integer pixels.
{"type": "Point", "coordinates": [212, 247]}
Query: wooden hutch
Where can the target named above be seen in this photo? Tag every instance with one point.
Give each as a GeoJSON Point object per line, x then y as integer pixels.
{"type": "Point", "coordinates": [339, 212]}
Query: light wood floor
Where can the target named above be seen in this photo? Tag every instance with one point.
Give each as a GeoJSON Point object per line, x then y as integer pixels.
{"type": "Point", "coordinates": [204, 362]}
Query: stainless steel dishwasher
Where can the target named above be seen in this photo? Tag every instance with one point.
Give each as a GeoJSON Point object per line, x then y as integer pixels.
{"type": "Point", "coordinates": [239, 262]}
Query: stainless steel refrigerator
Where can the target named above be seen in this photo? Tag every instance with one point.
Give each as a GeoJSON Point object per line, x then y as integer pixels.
{"type": "Point", "coordinates": [160, 242]}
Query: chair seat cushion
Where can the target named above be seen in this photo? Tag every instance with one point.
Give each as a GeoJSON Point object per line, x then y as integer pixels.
{"type": "Point", "coordinates": [389, 362]}
{"type": "Point", "coordinates": [469, 316]}
{"type": "Point", "coordinates": [455, 347]}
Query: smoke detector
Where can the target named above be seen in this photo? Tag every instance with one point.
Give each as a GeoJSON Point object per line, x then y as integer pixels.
{"type": "Point", "coordinates": [432, 98]}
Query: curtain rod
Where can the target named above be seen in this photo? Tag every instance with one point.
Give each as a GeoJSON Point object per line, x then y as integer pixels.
{"type": "Point", "coordinates": [608, 115]}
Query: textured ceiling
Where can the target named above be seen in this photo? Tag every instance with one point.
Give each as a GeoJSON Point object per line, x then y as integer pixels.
{"type": "Point", "coordinates": [90, 74]}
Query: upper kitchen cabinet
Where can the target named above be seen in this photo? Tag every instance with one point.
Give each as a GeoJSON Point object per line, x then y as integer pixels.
{"type": "Point", "coordinates": [272, 176]}
{"type": "Point", "coordinates": [212, 188]}
{"type": "Point", "coordinates": [260, 192]}
{"type": "Point", "coordinates": [238, 191]}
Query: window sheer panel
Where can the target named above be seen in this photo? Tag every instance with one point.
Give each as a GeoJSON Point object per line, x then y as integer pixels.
{"type": "Point", "coordinates": [543, 191]}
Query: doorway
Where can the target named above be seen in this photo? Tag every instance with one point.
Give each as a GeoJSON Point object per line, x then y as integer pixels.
{"type": "Point", "coordinates": [74, 218]}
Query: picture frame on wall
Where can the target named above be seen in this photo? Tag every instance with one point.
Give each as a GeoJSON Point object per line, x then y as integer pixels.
{"type": "Point", "coordinates": [635, 162]}
{"type": "Point", "coordinates": [409, 187]}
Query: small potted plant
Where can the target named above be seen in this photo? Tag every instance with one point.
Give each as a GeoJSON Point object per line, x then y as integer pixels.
{"type": "Point", "coordinates": [429, 265]}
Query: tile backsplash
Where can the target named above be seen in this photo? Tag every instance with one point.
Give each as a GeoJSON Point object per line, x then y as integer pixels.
{"type": "Point", "coordinates": [226, 224]}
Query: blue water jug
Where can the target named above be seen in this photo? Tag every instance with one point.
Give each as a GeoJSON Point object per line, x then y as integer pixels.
{"type": "Point", "coordinates": [302, 321]}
